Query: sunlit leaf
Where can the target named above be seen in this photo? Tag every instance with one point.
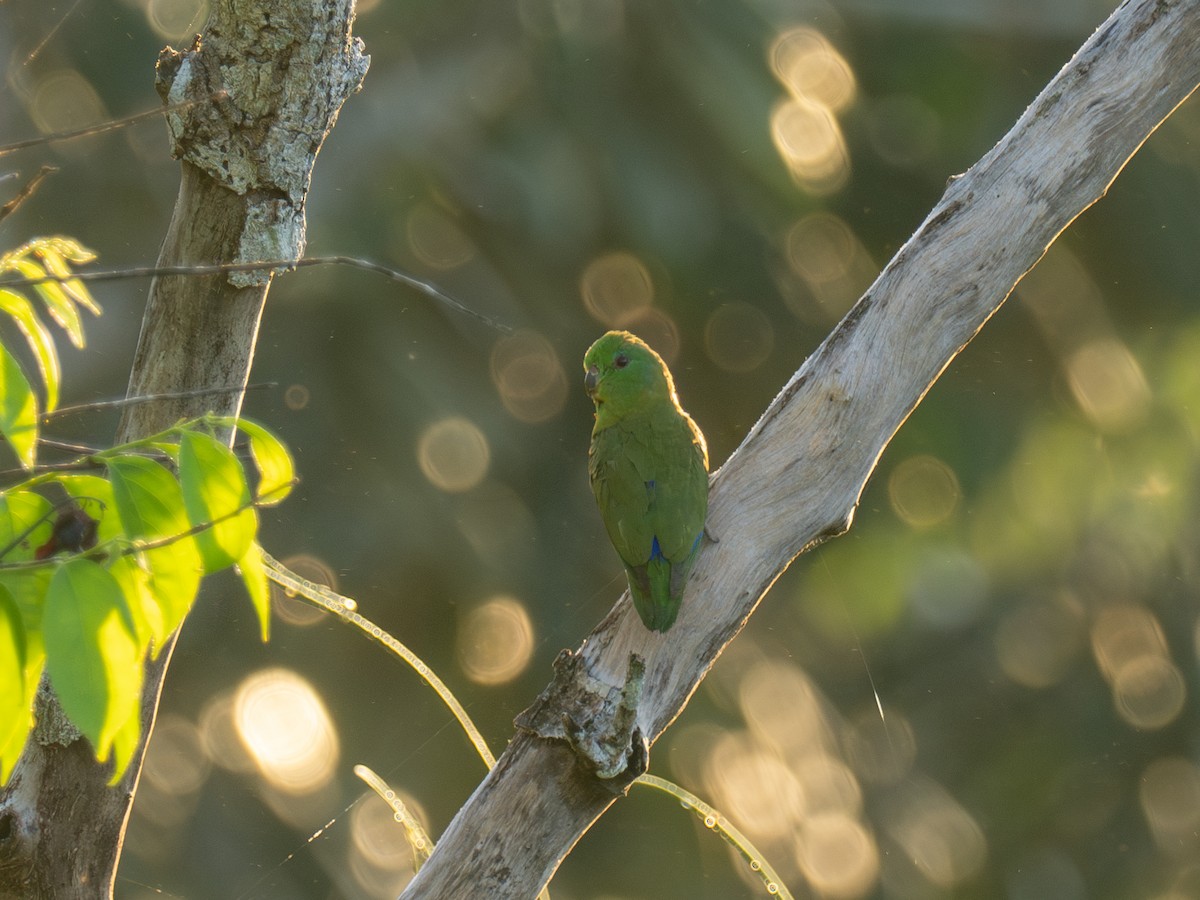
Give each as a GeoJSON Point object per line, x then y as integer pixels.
{"type": "Point", "coordinates": [18, 410]}
{"type": "Point", "coordinates": [71, 249]}
{"type": "Point", "coordinates": [150, 504]}
{"type": "Point", "coordinates": [23, 593]}
{"type": "Point", "coordinates": [61, 308]}
{"type": "Point", "coordinates": [52, 253]}
{"type": "Point", "coordinates": [39, 340]}
{"type": "Point", "coordinates": [254, 576]}
{"type": "Point", "coordinates": [125, 741]}
{"type": "Point", "coordinates": [35, 660]}
{"type": "Point", "coordinates": [214, 490]}
{"type": "Point", "coordinates": [149, 621]}
{"type": "Point", "coordinates": [15, 714]}
{"type": "Point", "coordinates": [275, 468]}
{"type": "Point", "coordinates": [12, 746]}
{"type": "Point", "coordinates": [92, 655]}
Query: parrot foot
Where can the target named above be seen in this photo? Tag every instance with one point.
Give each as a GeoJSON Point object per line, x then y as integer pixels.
{"type": "Point", "coordinates": [709, 534]}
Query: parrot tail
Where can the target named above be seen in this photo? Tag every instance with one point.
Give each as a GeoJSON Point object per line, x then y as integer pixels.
{"type": "Point", "coordinates": [650, 586]}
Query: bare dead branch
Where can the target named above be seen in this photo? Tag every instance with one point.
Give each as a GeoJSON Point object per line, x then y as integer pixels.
{"type": "Point", "coordinates": [797, 477]}
{"type": "Point", "coordinates": [26, 192]}
{"type": "Point", "coordinates": [111, 125]}
{"type": "Point", "coordinates": [271, 266]}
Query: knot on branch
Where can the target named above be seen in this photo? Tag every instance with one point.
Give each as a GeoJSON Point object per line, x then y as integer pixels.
{"type": "Point", "coordinates": [596, 719]}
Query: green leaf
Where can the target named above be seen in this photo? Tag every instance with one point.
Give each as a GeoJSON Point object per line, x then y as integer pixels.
{"type": "Point", "coordinates": [16, 715]}
{"type": "Point", "coordinates": [148, 498]}
{"type": "Point", "coordinates": [275, 469]}
{"type": "Point", "coordinates": [95, 495]}
{"type": "Point", "coordinates": [150, 504]}
{"type": "Point", "coordinates": [40, 342]}
{"type": "Point", "coordinates": [169, 449]}
{"type": "Point", "coordinates": [18, 410]}
{"type": "Point", "coordinates": [254, 576]}
{"type": "Point", "coordinates": [26, 520]}
{"type": "Point", "coordinates": [92, 655]}
{"type": "Point", "coordinates": [28, 588]}
{"type": "Point", "coordinates": [61, 308]}
{"type": "Point", "coordinates": [214, 490]}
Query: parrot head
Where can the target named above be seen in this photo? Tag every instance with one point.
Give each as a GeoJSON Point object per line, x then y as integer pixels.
{"type": "Point", "coordinates": [623, 375]}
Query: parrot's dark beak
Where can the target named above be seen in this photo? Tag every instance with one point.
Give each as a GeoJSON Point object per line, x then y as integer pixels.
{"type": "Point", "coordinates": [591, 381]}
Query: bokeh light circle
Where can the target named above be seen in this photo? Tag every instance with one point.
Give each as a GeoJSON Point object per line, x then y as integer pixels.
{"type": "Point", "coordinates": [495, 641]}
{"type": "Point", "coordinates": [838, 855]}
{"type": "Point", "coordinates": [1037, 641]}
{"type": "Point", "coordinates": [615, 286]}
{"type": "Point", "coordinates": [177, 761]}
{"type": "Point", "coordinates": [1149, 692]}
{"type": "Point", "coordinates": [529, 377]}
{"type": "Point", "coordinates": [1169, 793]}
{"type": "Point", "coordinates": [287, 606]}
{"type": "Point", "coordinates": [821, 247]}
{"type": "Point", "coordinates": [941, 838]}
{"type": "Point", "coordinates": [754, 786]}
{"type": "Point", "coordinates": [436, 239]}
{"type": "Point", "coordinates": [923, 491]}
{"type": "Point", "coordinates": [377, 835]}
{"type": "Point", "coordinates": [174, 20]}
{"type": "Point", "coordinates": [1108, 384]}
{"type": "Point", "coordinates": [809, 66]}
{"type": "Point", "coordinates": [286, 730]}
{"type": "Point", "coordinates": [64, 100]}
{"type": "Point", "coordinates": [810, 142]}
{"type": "Point", "coordinates": [296, 396]}
{"type": "Point", "coordinates": [453, 454]}
{"type": "Point", "coordinates": [738, 337]}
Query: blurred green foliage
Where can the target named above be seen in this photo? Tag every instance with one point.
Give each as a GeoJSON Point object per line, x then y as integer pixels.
{"type": "Point", "coordinates": [1018, 592]}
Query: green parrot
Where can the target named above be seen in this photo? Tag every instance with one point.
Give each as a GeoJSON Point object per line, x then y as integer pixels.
{"type": "Point", "coordinates": [649, 468]}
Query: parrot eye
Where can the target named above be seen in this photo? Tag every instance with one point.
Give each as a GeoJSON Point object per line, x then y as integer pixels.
{"type": "Point", "coordinates": [621, 361]}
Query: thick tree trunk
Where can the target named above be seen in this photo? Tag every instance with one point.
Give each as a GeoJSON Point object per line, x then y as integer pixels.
{"type": "Point", "coordinates": [797, 477]}
{"type": "Point", "coordinates": [272, 77]}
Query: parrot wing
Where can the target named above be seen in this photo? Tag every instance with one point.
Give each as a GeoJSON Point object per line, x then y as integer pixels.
{"type": "Point", "coordinates": [621, 492]}
{"type": "Point", "coordinates": [677, 481]}
{"type": "Point", "coordinates": [649, 475]}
